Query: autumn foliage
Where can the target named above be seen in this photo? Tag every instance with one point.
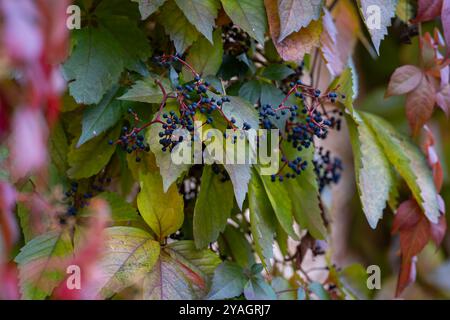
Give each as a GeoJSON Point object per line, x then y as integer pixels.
{"type": "Point", "coordinates": [354, 97]}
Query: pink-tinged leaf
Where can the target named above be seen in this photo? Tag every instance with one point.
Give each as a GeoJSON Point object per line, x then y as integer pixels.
{"type": "Point", "coordinates": [441, 204]}
{"type": "Point", "coordinates": [443, 100]}
{"type": "Point", "coordinates": [28, 142]}
{"type": "Point", "coordinates": [22, 37]}
{"type": "Point", "coordinates": [329, 46]}
{"type": "Point", "coordinates": [445, 17]}
{"type": "Point", "coordinates": [54, 24]}
{"type": "Point", "coordinates": [433, 158]}
{"type": "Point", "coordinates": [346, 19]}
{"type": "Point", "coordinates": [8, 226]}
{"type": "Point", "coordinates": [428, 10]}
{"type": "Point", "coordinates": [404, 79]}
{"type": "Point", "coordinates": [438, 230]}
{"type": "Point", "coordinates": [9, 282]}
{"type": "Point", "coordinates": [420, 104]}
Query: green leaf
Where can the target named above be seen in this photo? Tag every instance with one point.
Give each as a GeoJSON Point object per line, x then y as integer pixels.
{"type": "Point", "coordinates": [121, 211]}
{"type": "Point", "coordinates": [277, 72]}
{"type": "Point", "coordinates": [204, 57]}
{"type": "Point", "coordinates": [251, 91]}
{"type": "Point", "coordinates": [58, 148]}
{"type": "Point", "coordinates": [4, 153]}
{"type": "Point", "coordinates": [130, 254]}
{"type": "Point", "coordinates": [234, 244]}
{"type": "Point", "coordinates": [271, 95]}
{"type": "Point", "coordinates": [319, 291]}
{"type": "Point", "coordinates": [281, 204]}
{"type": "Point", "coordinates": [163, 212]}
{"type": "Point", "coordinates": [307, 212]}
{"type": "Point", "coordinates": [94, 66]}
{"type": "Point", "coordinates": [283, 288]}
{"type": "Point", "coordinates": [181, 32]}
{"type": "Point", "coordinates": [262, 219]}
{"type": "Point", "coordinates": [345, 85]}
{"type": "Point", "coordinates": [212, 208]}
{"type": "Point", "coordinates": [200, 13]}
{"type": "Point", "coordinates": [257, 289]}
{"type": "Point", "coordinates": [123, 8]}
{"type": "Point", "coordinates": [373, 173]}
{"type": "Point", "coordinates": [168, 169]}
{"type": "Point", "coordinates": [24, 215]}
{"type": "Point", "coordinates": [242, 111]}
{"type": "Point", "coordinates": [301, 294]}
{"type": "Point", "coordinates": [147, 7]}
{"type": "Point", "coordinates": [405, 10]}
{"type": "Point", "coordinates": [240, 175]}
{"type": "Point", "coordinates": [133, 42]}
{"type": "Point", "coordinates": [92, 156]}
{"type": "Point", "coordinates": [228, 282]}
{"type": "Point", "coordinates": [250, 15]}
{"type": "Point", "coordinates": [42, 264]}
{"type": "Point", "coordinates": [295, 15]}
{"type": "Point", "coordinates": [97, 119]}
{"type": "Point", "coordinates": [146, 90]}
{"type": "Point", "coordinates": [409, 162]}
{"type": "Point", "coordinates": [386, 11]}
{"type": "Point", "coordinates": [182, 272]}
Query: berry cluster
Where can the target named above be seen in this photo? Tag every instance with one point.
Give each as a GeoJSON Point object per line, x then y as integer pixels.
{"type": "Point", "coordinates": [235, 40]}
{"type": "Point", "coordinates": [303, 124]}
{"type": "Point", "coordinates": [132, 140]}
{"type": "Point", "coordinates": [76, 199]}
{"type": "Point", "coordinates": [194, 103]}
{"type": "Point", "coordinates": [327, 168]}
{"type": "Point", "coordinates": [296, 166]}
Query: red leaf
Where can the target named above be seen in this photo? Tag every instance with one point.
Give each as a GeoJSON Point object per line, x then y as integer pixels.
{"type": "Point", "coordinates": [404, 79]}
{"type": "Point", "coordinates": [9, 282]}
{"type": "Point", "coordinates": [8, 226]}
{"type": "Point", "coordinates": [420, 104]}
{"type": "Point", "coordinates": [4, 116]}
{"type": "Point", "coordinates": [415, 232]}
{"type": "Point", "coordinates": [445, 17]}
{"type": "Point", "coordinates": [413, 227]}
{"type": "Point", "coordinates": [406, 216]}
{"type": "Point", "coordinates": [438, 230]}
{"type": "Point", "coordinates": [428, 10]}
{"type": "Point", "coordinates": [406, 276]}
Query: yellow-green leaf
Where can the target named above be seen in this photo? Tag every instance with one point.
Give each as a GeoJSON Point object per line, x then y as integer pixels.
{"type": "Point", "coordinates": [163, 211]}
